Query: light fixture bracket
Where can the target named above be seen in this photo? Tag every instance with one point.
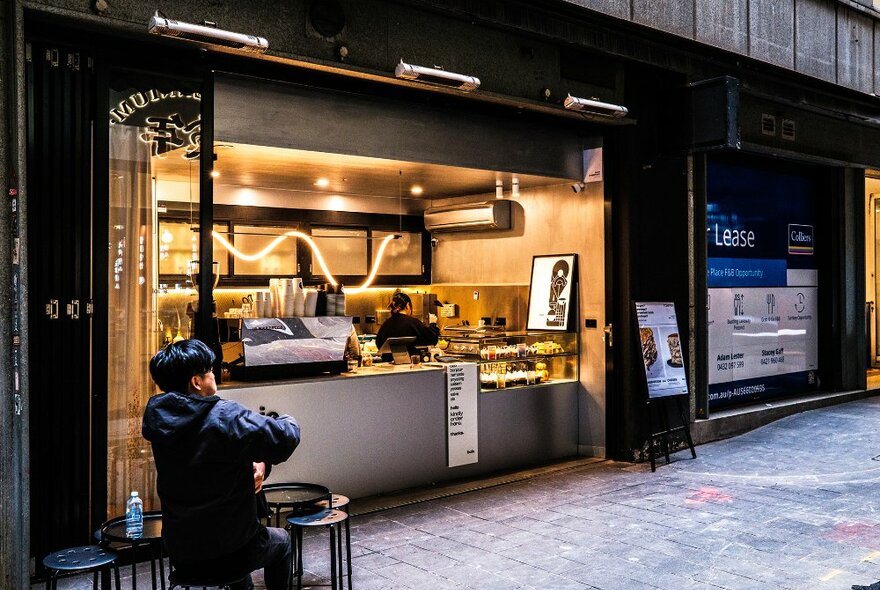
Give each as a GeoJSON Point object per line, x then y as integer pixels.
{"type": "Point", "coordinates": [207, 34]}
{"type": "Point", "coordinates": [594, 107]}
{"type": "Point", "coordinates": [436, 76]}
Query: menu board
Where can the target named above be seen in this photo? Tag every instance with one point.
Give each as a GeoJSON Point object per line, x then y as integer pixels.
{"type": "Point", "coordinates": [661, 349]}
{"type": "Point", "coordinates": [763, 283]}
{"type": "Point", "coordinates": [462, 427]}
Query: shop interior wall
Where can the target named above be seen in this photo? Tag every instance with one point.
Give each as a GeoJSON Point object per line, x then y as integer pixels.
{"type": "Point", "coordinates": [549, 220]}
{"type": "Point", "coordinates": [872, 187]}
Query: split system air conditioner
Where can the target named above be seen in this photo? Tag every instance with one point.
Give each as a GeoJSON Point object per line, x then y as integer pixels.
{"type": "Point", "coordinates": [469, 217]}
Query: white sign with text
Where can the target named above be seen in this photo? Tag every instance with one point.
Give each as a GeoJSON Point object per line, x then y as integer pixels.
{"type": "Point", "coordinates": [462, 404]}
{"type": "Point", "coordinates": [762, 331]}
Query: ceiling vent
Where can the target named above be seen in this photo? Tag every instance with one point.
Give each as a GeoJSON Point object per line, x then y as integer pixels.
{"type": "Point", "coordinates": [491, 215]}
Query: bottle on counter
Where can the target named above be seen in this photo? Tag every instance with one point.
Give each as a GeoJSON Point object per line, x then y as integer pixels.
{"type": "Point", "coordinates": [134, 517]}
{"type": "Point", "coordinates": [340, 300]}
{"type": "Point", "coordinates": [321, 302]}
{"type": "Point", "coordinates": [331, 300]}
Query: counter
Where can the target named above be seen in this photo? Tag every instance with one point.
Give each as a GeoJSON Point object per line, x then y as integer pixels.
{"type": "Point", "coordinates": [381, 429]}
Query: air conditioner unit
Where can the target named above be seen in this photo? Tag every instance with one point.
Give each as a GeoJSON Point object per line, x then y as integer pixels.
{"type": "Point", "coordinates": [469, 217]}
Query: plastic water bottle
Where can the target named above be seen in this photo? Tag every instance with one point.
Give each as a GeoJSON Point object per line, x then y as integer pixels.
{"type": "Point", "coordinates": [134, 517]}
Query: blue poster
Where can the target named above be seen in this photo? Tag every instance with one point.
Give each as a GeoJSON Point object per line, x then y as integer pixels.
{"type": "Point", "coordinates": [762, 274]}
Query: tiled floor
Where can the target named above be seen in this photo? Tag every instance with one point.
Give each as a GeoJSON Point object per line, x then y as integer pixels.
{"type": "Point", "coordinates": [793, 505]}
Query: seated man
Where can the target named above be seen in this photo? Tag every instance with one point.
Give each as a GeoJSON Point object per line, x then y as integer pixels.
{"type": "Point", "coordinates": [210, 456]}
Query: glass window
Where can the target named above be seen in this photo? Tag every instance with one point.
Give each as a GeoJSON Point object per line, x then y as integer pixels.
{"type": "Point", "coordinates": [344, 251]}
{"type": "Point", "coordinates": [256, 241]}
{"type": "Point", "coordinates": [402, 256]}
{"type": "Point", "coordinates": [179, 245]}
{"type": "Point", "coordinates": [153, 136]}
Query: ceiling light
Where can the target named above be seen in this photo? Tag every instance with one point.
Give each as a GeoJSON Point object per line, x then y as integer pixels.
{"type": "Point", "coordinates": [416, 190]}
{"type": "Point", "coordinates": [206, 33]}
{"type": "Point", "coordinates": [215, 174]}
{"type": "Point", "coordinates": [322, 182]}
{"type": "Point", "coordinates": [437, 76]}
{"type": "Point", "coordinates": [594, 107]}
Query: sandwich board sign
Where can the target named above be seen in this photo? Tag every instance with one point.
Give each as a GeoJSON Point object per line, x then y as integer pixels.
{"type": "Point", "coordinates": [661, 349]}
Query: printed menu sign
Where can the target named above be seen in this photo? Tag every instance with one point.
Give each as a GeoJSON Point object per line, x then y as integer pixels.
{"type": "Point", "coordinates": [661, 349]}
{"type": "Point", "coordinates": [763, 283]}
{"type": "Point", "coordinates": [462, 428]}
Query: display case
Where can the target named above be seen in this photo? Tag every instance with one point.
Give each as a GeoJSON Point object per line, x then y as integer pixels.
{"type": "Point", "coordinates": [517, 359]}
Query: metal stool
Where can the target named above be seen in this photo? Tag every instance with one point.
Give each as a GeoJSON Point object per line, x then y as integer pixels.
{"type": "Point", "coordinates": [341, 502]}
{"type": "Point", "coordinates": [328, 518]}
{"type": "Point", "coordinates": [78, 560]}
{"type": "Point", "coordinates": [178, 581]}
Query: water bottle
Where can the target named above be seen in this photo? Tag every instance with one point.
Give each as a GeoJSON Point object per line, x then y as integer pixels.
{"type": "Point", "coordinates": [134, 517]}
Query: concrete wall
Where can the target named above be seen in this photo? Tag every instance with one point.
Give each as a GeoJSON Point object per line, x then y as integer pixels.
{"type": "Point", "coordinates": [834, 40]}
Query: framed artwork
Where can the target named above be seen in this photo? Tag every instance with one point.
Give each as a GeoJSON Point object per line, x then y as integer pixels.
{"type": "Point", "coordinates": [552, 292]}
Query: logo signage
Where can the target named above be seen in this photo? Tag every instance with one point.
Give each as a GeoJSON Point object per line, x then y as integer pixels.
{"type": "Point", "coordinates": [800, 239]}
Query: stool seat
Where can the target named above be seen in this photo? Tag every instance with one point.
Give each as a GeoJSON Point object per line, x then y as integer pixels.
{"type": "Point", "coordinates": [338, 501]}
{"type": "Point", "coordinates": [79, 558]}
{"type": "Point", "coordinates": [325, 517]}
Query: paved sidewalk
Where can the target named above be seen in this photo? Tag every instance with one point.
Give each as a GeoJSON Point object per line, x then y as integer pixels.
{"type": "Point", "coordinates": [792, 505]}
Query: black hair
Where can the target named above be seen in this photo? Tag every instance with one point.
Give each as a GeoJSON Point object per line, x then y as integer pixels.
{"type": "Point", "coordinates": [399, 302]}
{"type": "Point", "coordinates": [173, 366]}
{"type": "Point", "coordinates": [561, 265]}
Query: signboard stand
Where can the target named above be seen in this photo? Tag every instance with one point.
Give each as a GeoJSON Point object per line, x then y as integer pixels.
{"type": "Point", "coordinates": [665, 377]}
{"type": "Point", "coordinates": [663, 436]}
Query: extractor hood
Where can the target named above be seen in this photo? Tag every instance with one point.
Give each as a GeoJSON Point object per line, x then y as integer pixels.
{"type": "Point", "coordinates": [486, 215]}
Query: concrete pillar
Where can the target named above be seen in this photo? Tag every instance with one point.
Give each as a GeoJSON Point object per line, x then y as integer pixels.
{"type": "Point", "coordinates": [14, 464]}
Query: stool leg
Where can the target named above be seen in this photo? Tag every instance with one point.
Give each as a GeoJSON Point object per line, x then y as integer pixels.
{"type": "Point", "coordinates": [298, 535]}
{"type": "Point", "coordinates": [347, 551]}
{"type": "Point", "coordinates": [153, 568]}
{"type": "Point", "coordinates": [134, 566]}
{"type": "Point", "coordinates": [95, 580]}
{"type": "Point", "coordinates": [332, 557]}
{"type": "Point", "coordinates": [338, 528]}
{"type": "Point", "coordinates": [52, 581]}
{"type": "Point", "coordinates": [162, 564]}
{"type": "Point", "coordinates": [116, 572]}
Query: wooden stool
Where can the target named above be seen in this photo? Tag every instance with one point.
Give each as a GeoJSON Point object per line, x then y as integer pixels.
{"type": "Point", "coordinates": [328, 518]}
{"type": "Point", "coordinates": [77, 560]}
{"type": "Point", "coordinates": [341, 502]}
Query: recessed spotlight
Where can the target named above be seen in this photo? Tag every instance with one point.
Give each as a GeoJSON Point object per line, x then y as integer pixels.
{"type": "Point", "coordinates": [322, 182]}
{"type": "Point", "coordinates": [215, 174]}
{"type": "Point", "coordinates": [416, 190]}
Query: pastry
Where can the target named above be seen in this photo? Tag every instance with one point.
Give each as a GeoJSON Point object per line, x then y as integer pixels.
{"type": "Point", "coordinates": [674, 350]}
{"type": "Point", "coordinates": [649, 347]}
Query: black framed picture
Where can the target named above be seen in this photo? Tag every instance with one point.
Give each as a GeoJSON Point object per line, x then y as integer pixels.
{"type": "Point", "coordinates": [552, 292]}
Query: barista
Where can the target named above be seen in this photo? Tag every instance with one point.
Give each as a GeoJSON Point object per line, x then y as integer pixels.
{"type": "Point", "coordinates": [401, 323]}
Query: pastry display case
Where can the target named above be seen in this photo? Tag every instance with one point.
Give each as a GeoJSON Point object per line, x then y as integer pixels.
{"type": "Point", "coordinates": [517, 359]}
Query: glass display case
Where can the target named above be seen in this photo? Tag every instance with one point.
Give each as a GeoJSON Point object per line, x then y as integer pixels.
{"type": "Point", "coordinates": [518, 359]}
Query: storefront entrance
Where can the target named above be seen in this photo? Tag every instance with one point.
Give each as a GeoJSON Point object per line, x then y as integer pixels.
{"type": "Point", "coordinates": [872, 277]}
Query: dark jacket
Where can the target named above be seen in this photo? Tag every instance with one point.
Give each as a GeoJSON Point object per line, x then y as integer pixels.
{"type": "Point", "coordinates": [204, 448]}
{"type": "Point", "coordinates": [400, 324]}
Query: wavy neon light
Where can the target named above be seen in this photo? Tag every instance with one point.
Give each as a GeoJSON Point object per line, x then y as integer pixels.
{"type": "Point", "coordinates": [315, 250]}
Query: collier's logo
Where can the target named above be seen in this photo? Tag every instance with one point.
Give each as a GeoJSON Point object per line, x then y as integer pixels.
{"type": "Point", "coordinates": [800, 239]}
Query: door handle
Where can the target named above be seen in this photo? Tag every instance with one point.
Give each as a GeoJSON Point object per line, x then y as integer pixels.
{"type": "Point", "coordinates": [608, 335]}
{"type": "Point", "coordinates": [52, 309]}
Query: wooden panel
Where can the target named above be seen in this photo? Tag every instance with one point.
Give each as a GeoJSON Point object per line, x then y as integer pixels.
{"type": "Point", "coordinates": [855, 50]}
{"type": "Point", "coordinates": [815, 47]}
{"type": "Point", "coordinates": [771, 31]}
{"type": "Point", "coordinates": [723, 24]}
{"type": "Point", "coordinates": [674, 16]}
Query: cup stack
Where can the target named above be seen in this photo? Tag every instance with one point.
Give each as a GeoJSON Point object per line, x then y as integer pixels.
{"type": "Point", "coordinates": [331, 300]}
{"type": "Point", "coordinates": [311, 302]}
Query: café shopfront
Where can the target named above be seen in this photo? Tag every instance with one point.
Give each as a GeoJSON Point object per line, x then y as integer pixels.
{"type": "Point", "coordinates": [325, 181]}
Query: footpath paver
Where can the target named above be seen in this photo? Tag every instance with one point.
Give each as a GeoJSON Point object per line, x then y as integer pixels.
{"type": "Point", "coordinates": [794, 505]}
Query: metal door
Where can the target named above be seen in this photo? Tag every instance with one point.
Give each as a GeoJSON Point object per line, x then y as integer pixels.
{"type": "Point", "coordinates": [59, 204]}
